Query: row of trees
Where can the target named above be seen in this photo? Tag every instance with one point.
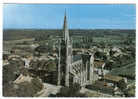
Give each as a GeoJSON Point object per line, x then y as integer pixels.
{"type": "Point", "coordinates": [83, 42]}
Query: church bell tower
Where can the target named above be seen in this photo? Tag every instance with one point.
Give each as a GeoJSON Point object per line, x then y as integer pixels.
{"type": "Point", "coordinates": [65, 56]}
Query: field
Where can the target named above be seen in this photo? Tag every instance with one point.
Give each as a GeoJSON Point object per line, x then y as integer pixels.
{"type": "Point", "coordinates": [115, 47]}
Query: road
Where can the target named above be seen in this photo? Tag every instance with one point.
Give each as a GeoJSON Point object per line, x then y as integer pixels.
{"type": "Point", "coordinates": [48, 89]}
{"type": "Point", "coordinates": [53, 89]}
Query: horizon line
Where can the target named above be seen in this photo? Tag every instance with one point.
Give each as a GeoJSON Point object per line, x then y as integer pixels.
{"type": "Point", "coordinates": [68, 29]}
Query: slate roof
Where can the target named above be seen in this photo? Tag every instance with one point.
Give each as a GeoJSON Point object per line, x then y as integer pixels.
{"type": "Point", "coordinates": [76, 58]}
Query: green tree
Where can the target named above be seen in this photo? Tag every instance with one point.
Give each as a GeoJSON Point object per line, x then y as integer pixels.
{"type": "Point", "coordinates": [72, 91]}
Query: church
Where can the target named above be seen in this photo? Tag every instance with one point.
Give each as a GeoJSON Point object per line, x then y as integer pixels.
{"type": "Point", "coordinates": [73, 68]}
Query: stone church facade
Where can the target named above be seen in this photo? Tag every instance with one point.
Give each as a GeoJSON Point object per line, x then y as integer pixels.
{"type": "Point", "coordinates": [73, 68]}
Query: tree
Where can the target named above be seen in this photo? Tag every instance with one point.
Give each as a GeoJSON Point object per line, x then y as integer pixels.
{"type": "Point", "coordinates": [43, 49]}
{"type": "Point", "coordinates": [12, 70]}
{"type": "Point", "coordinates": [23, 89]}
{"type": "Point", "coordinates": [122, 85]}
{"type": "Point", "coordinates": [72, 91]}
{"type": "Point", "coordinates": [128, 40]}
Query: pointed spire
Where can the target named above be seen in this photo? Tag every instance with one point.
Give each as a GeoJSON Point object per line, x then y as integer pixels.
{"type": "Point", "coordinates": [65, 28]}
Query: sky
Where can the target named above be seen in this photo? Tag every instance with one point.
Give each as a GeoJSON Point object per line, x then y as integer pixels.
{"type": "Point", "coordinates": [79, 16]}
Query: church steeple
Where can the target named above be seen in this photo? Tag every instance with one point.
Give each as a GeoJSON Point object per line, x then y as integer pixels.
{"type": "Point", "coordinates": [65, 53]}
{"type": "Point", "coordinates": [65, 29]}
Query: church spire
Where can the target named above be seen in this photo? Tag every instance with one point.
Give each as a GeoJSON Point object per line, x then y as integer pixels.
{"type": "Point", "coordinates": [65, 28]}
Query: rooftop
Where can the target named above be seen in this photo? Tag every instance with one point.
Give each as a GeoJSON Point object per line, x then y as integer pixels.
{"type": "Point", "coordinates": [101, 86]}
{"type": "Point", "coordinates": [112, 78]}
{"type": "Point", "coordinates": [76, 58]}
{"type": "Point", "coordinates": [98, 63]}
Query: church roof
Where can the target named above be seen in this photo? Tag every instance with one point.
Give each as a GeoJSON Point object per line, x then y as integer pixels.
{"type": "Point", "coordinates": [76, 58]}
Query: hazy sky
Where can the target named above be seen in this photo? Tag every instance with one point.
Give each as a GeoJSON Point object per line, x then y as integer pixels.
{"type": "Point", "coordinates": [51, 16]}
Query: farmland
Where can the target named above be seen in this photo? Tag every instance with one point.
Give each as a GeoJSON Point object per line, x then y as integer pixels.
{"type": "Point", "coordinates": [115, 47]}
